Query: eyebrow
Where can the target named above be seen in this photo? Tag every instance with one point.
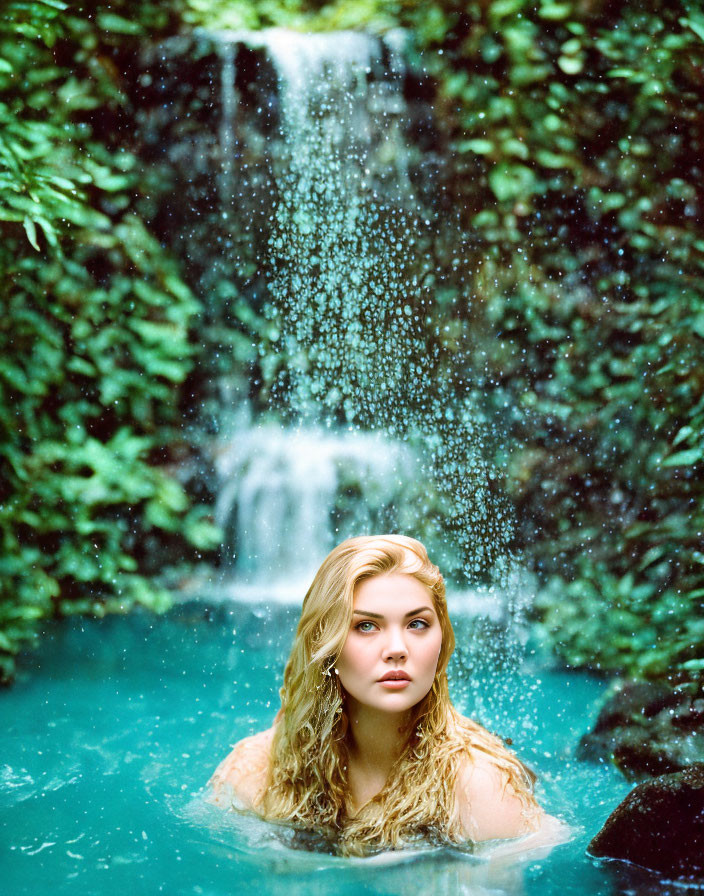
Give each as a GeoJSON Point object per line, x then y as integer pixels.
{"type": "Point", "coordinates": [379, 616]}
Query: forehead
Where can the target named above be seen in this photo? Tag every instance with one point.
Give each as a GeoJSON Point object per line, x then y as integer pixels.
{"type": "Point", "coordinates": [392, 592]}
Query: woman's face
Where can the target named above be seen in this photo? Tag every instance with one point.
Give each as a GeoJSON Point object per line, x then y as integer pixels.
{"type": "Point", "coordinates": [390, 657]}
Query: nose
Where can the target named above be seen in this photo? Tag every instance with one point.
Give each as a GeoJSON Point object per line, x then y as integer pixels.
{"type": "Point", "coordinates": [395, 646]}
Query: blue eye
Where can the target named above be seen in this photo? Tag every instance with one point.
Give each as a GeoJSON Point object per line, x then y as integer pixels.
{"type": "Point", "coordinates": [365, 626]}
{"type": "Point", "coordinates": [419, 624]}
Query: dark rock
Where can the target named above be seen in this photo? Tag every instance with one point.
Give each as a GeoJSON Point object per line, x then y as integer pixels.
{"type": "Point", "coordinates": [690, 718]}
{"type": "Point", "coordinates": [649, 728]}
{"type": "Point", "coordinates": [660, 826]}
{"type": "Point", "coordinates": [637, 757]}
{"type": "Point", "coordinates": [633, 699]}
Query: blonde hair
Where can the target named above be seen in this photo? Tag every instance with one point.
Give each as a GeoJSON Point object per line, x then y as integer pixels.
{"type": "Point", "coordinates": [307, 783]}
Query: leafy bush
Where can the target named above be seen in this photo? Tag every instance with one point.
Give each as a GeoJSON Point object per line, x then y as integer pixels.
{"type": "Point", "coordinates": [93, 345]}
{"type": "Point", "coordinates": [578, 129]}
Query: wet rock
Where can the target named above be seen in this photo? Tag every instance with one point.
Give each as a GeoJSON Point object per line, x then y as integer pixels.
{"type": "Point", "coordinates": [649, 728]}
{"type": "Point", "coordinates": [660, 826]}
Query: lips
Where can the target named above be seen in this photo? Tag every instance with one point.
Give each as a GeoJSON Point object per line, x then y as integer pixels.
{"type": "Point", "coordinates": [395, 675]}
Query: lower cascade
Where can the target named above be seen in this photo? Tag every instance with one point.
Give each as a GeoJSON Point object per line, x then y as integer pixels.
{"type": "Point", "coordinates": [286, 496]}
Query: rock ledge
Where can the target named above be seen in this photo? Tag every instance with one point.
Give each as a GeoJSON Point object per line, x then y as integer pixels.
{"type": "Point", "coordinates": [660, 826]}
{"type": "Point", "coordinates": [649, 728]}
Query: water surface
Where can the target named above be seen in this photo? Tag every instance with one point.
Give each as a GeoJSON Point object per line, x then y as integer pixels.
{"type": "Point", "coordinates": [115, 725]}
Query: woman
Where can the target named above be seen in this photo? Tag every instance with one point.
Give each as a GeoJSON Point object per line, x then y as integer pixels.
{"type": "Point", "coordinates": [367, 747]}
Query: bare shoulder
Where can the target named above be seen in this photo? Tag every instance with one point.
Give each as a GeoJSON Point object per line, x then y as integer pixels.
{"type": "Point", "coordinates": [488, 806]}
{"type": "Point", "coordinates": [241, 777]}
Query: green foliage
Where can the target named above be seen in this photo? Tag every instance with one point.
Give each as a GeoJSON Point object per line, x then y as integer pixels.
{"type": "Point", "coordinates": [577, 138]}
{"type": "Point", "coordinates": [608, 623]}
{"type": "Point", "coordinates": [579, 133]}
{"type": "Point", "coordinates": [93, 344]}
{"type": "Point", "coordinates": [294, 14]}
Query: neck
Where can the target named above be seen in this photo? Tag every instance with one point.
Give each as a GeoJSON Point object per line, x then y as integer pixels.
{"type": "Point", "coordinates": [375, 738]}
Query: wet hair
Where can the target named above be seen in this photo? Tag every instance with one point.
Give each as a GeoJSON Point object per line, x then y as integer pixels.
{"type": "Point", "coordinates": [307, 781]}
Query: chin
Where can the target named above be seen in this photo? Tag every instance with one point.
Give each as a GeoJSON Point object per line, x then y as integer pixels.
{"type": "Point", "coordinates": [399, 702]}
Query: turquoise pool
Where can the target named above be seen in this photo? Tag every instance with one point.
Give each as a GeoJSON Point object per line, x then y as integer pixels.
{"type": "Point", "coordinates": [115, 725]}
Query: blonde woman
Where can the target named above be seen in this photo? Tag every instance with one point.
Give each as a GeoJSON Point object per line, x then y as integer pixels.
{"type": "Point", "coordinates": [367, 748]}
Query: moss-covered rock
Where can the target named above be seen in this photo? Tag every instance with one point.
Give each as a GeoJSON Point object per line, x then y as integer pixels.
{"type": "Point", "coordinates": [649, 728]}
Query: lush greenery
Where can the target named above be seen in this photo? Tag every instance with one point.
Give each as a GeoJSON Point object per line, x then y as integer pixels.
{"type": "Point", "coordinates": [93, 343]}
{"type": "Point", "coordinates": [577, 137]}
{"type": "Point", "coordinates": [580, 133]}
{"type": "Point", "coordinates": [577, 129]}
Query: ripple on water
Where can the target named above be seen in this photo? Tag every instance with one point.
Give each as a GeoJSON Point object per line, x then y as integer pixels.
{"type": "Point", "coordinates": [117, 783]}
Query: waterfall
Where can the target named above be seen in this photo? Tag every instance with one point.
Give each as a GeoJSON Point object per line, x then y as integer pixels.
{"type": "Point", "coordinates": [227, 131]}
{"type": "Point", "coordinates": [304, 195]}
{"type": "Point", "coordinates": [287, 494]}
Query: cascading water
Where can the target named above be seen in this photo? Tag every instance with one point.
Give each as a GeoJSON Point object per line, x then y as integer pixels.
{"type": "Point", "coordinates": [322, 231]}
{"type": "Point", "coordinates": [350, 284]}
{"type": "Point", "coordinates": [282, 487]}
{"type": "Point", "coordinates": [283, 490]}
{"type": "Point", "coordinates": [306, 199]}
{"type": "Point", "coordinates": [341, 254]}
